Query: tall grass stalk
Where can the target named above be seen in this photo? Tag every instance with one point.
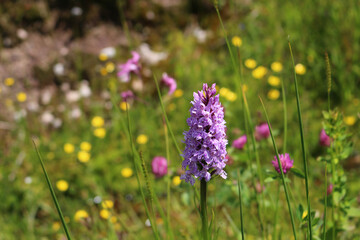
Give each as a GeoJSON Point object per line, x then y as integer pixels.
{"type": "Point", "coordinates": [302, 145]}
{"type": "Point", "coordinates": [52, 193]}
{"type": "Point", "coordinates": [168, 205]}
{"type": "Point", "coordinates": [281, 170]}
{"type": "Point", "coordinates": [241, 207]}
{"type": "Point", "coordinates": [152, 222]}
{"type": "Point", "coordinates": [325, 203]}
{"type": "Point", "coordinates": [203, 209]}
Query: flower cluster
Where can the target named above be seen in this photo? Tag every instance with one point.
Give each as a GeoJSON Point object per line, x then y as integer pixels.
{"type": "Point", "coordinates": [132, 65]}
{"type": "Point", "coordinates": [286, 163]}
{"type": "Point", "coordinates": [169, 82]}
{"type": "Point", "coordinates": [159, 166]}
{"type": "Point", "coordinates": [324, 139]}
{"type": "Point", "coordinates": [239, 143]}
{"type": "Point", "coordinates": [205, 150]}
{"type": "Point", "coordinates": [262, 131]}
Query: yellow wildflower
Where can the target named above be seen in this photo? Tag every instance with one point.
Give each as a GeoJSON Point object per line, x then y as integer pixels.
{"type": "Point", "coordinates": [110, 67]}
{"type": "Point", "coordinates": [178, 93]}
{"type": "Point", "coordinates": [274, 81]}
{"type": "Point", "coordinates": [80, 214]}
{"type": "Point", "coordinates": [159, 221]}
{"type": "Point", "coordinates": [83, 156]}
{"type": "Point", "coordinates": [69, 148]}
{"type": "Point", "coordinates": [105, 214]}
{"type": "Point", "coordinates": [56, 226]}
{"type": "Point", "coordinates": [223, 91]}
{"type": "Point", "coordinates": [103, 71]}
{"type": "Point", "coordinates": [245, 87]}
{"type": "Point", "coordinates": [107, 204]}
{"type": "Point", "coordinates": [273, 94]}
{"type": "Point", "coordinates": [126, 172]}
{"type": "Point", "coordinates": [349, 120]}
{"type": "Point", "coordinates": [259, 72]}
{"type": "Point", "coordinates": [62, 185]}
{"type": "Point", "coordinates": [113, 219]}
{"type": "Point", "coordinates": [276, 66]}
{"type": "Point", "coordinates": [97, 121]}
{"type": "Point", "coordinates": [21, 97]}
{"type": "Point", "coordinates": [142, 139]}
{"type": "Point", "coordinates": [300, 69]}
{"type": "Point", "coordinates": [85, 146]}
{"type": "Point", "coordinates": [250, 63]}
{"type": "Point", "coordinates": [9, 81]}
{"type": "Point", "coordinates": [176, 181]}
{"type": "Point", "coordinates": [231, 96]}
{"type": "Point", "coordinates": [103, 57]}
{"type": "Point", "coordinates": [100, 132]}
{"type": "Point", "coordinates": [236, 41]}
{"type": "Point", "coordinates": [305, 213]}
{"type": "Point", "coordinates": [123, 106]}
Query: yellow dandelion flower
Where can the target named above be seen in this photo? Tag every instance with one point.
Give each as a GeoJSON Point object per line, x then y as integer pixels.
{"type": "Point", "coordinates": [236, 41]}
{"type": "Point", "coordinates": [9, 81]}
{"type": "Point", "coordinates": [62, 185]}
{"type": "Point", "coordinates": [80, 214]}
{"type": "Point", "coordinates": [97, 121]}
{"type": "Point", "coordinates": [69, 148]}
{"type": "Point", "coordinates": [105, 214]}
{"type": "Point", "coordinates": [56, 226]}
{"type": "Point", "coordinates": [250, 63]}
{"type": "Point", "coordinates": [110, 67]}
{"type": "Point", "coordinates": [100, 132]}
{"type": "Point", "coordinates": [231, 96]}
{"type": "Point", "coordinates": [83, 156]}
{"type": "Point", "coordinates": [103, 57]}
{"type": "Point", "coordinates": [178, 93]}
{"type": "Point", "coordinates": [273, 94]}
{"type": "Point", "coordinates": [126, 172]}
{"type": "Point", "coordinates": [276, 66]}
{"type": "Point", "coordinates": [223, 91]}
{"type": "Point", "coordinates": [300, 69]}
{"type": "Point", "coordinates": [245, 87]}
{"type": "Point", "coordinates": [103, 71]}
{"type": "Point", "coordinates": [176, 181]}
{"type": "Point", "coordinates": [142, 139]}
{"type": "Point", "coordinates": [349, 120]}
{"type": "Point", "coordinates": [85, 146]}
{"type": "Point", "coordinates": [274, 81]}
{"type": "Point", "coordinates": [21, 97]}
{"type": "Point", "coordinates": [113, 219]}
{"type": "Point", "coordinates": [259, 72]}
{"type": "Point", "coordinates": [305, 213]}
{"type": "Point", "coordinates": [107, 204]}
{"type": "Point", "coordinates": [123, 106]}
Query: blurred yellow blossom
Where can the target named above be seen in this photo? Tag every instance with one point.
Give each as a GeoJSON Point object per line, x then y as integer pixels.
{"type": "Point", "coordinates": [259, 72]}
{"type": "Point", "coordinates": [69, 148]}
{"type": "Point", "coordinates": [107, 204]}
{"type": "Point", "coordinates": [305, 213]}
{"type": "Point", "coordinates": [123, 106]}
{"type": "Point", "coordinates": [159, 221]}
{"type": "Point", "coordinates": [9, 81]}
{"type": "Point", "coordinates": [110, 67]}
{"type": "Point", "coordinates": [85, 146]}
{"type": "Point", "coordinates": [100, 132]}
{"type": "Point", "coordinates": [126, 172]}
{"type": "Point", "coordinates": [274, 81]}
{"type": "Point", "coordinates": [62, 185]}
{"type": "Point", "coordinates": [276, 66]}
{"type": "Point", "coordinates": [178, 93]}
{"type": "Point", "coordinates": [223, 91]}
{"type": "Point", "coordinates": [231, 96]}
{"type": "Point", "coordinates": [80, 214]}
{"type": "Point", "coordinates": [103, 71]}
{"type": "Point", "coordinates": [142, 139]}
{"type": "Point", "coordinates": [273, 94]}
{"type": "Point", "coordinates": [56, 226]}
{"type": "Point", "coordinates": [350, 120]}
{"type": "Point", "coordinates": [83, 156]}
{"type": "Point", "coordinates": [236, 41]}
{"type": "Point", "coordinates": [105, 214]}
{"type": "Point", "coordinates": [97, 121]}
{"type": "Point", "coordinates": [245, 87]}
{"type": "Point", "coordinates": [176, 181]}
{"type": "Point", "coordinates": [250, 63]}
{"type": "Point", "coordinates": [113, 219]}
{"type": "Point", "coordinates": [103, 57]}
{"type": "Point", "coordinates": [300, 69]}
{"type": "Point", "coordinates": [21, 97]}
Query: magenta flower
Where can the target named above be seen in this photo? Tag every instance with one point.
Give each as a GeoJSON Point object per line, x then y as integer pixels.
{"type": "Point", "coordinates": [132, 65]}
{"type": "Point", "coordinates": [240, 142]}
{"type": "Point", "coordinates": [169, 82]}
{"type": "Point", "coordinates": [324, 139]}
{"type": "Point", "coordinates": [330, 189]}
{"type": "Point", "coordinates": [262, 131]}
{"type": "Point", "coordinates": [286, 163]}
{"type": "Point", "coordinates": [127, 95]}
{"type": "Point", "coordinates": [159, 166]}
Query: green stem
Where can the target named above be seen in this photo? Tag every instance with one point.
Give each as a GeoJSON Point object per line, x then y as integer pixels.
{"type": "Point", "coordinates": [203, 209]}
{"type": "Point", "coordinates": [285, 114]}
{"type": "Point", "coordinates": [276, 212]}
{"type": "Point", "coordinates": [169, 231]}
{"type": "Point", "coordinates": [302, 145]}
{"type": "Point", "coordinates": [241, 208]}
{"type": "Point", "coordinates": [325, 207]}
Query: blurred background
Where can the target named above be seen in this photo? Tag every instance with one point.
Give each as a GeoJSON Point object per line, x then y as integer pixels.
{"type": "Point", "coordinates": [59, 83]}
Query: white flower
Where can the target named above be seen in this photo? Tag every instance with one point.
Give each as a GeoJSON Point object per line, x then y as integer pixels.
{"type": "Point", "coordinates": [33, 106]}
{"type": "Point", "coordinates": [22, 33]}
{"type": "Point", "coordinates": [72, 96]}
{"type": "Point", "coordinates": [108, 51]}
{"type": "Point", "coordinates": [59, 69]}
{"type": "Point", "coordinates": [46, 96]}
{"type": "Point", "coordinates": [57, 123]}
{"type": "Point", "coordinates": [28, 180]}
{"type": "Point", "coordinates": [75, 113]}
{"type": "Point", "coordinates": [200, 34]}
{"type": "Point", "coordinates": [151, 57]}
{"type": "Point", "coordinates": [47, 117]}
{"type": "Point", "coordinates": [76, 11]}
{"type": "Point", "coordinates": [84, 89]}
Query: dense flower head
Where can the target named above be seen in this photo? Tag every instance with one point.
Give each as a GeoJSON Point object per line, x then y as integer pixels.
{"type": "Point", "coordinates": [169, 82]}
{"type": "Point", "coordinates": [131, 65]}
{"type": "Point", "coordinates": [239, 143]}
{"type": "Point", "coordinates": [127, 95]}
{"type": "Point", "coordinates": [324, 139]}
{"type": "Point", "coordinates": [205, 150]}
{"type": "Point", "coordinates": [286, 163]}
{"type": "Point", "coordinates": [262, 131]}
{"type": "Point", "coordinates": [330, 189]}
{"type": "Point", "coordinates": [159, 166]}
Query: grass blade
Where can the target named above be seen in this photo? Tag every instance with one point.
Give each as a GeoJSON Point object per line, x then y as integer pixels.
{"type": "Point", "coordinates": [52, 193]}
{"type": "Point", "coordinates": [241, 209]}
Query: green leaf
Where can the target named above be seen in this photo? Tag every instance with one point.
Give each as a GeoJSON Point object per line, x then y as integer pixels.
{"type": "Point", "coordinates": [297, 172]}
{"type": "Point", "coordinates": [354, 212]}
